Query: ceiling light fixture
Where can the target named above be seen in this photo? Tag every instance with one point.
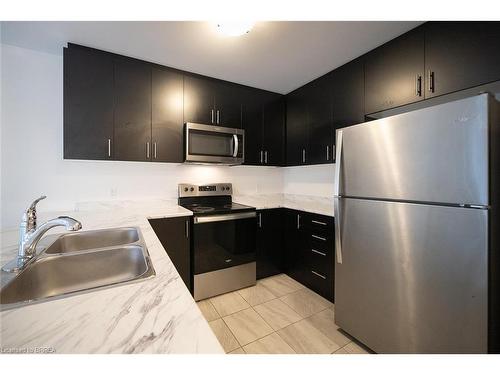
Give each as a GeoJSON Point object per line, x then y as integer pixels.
{"type": "Point", "coordinates": [234, 28]}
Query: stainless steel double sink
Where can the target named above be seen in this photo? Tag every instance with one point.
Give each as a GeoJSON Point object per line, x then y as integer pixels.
{"type": "Point", "coordinates": [80, 262]}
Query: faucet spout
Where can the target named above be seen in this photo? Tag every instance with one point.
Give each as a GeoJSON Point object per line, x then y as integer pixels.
{"type": "Point", "coordinates": [28, 247]}
{"type": "Point", "coordinates": [30, 235]}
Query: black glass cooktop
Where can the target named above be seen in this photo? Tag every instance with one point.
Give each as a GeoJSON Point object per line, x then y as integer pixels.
{"type": "Point", "coordinates": [214, 208]}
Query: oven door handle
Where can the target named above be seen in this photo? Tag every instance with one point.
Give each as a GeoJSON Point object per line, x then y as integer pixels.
{"type": "Point", "coordinates": [224, 217]}
{"type": "Point", "coordinates": [236, 145]}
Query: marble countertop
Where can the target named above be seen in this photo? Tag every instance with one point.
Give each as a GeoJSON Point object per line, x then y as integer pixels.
{"type": "Point", "coordinates": [157, 315]}
{"type": "Point", "coordinates": [307, 203]}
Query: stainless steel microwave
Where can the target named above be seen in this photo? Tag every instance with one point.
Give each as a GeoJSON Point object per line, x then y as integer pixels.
{"type": "Point", "coordinates": [213, 144]}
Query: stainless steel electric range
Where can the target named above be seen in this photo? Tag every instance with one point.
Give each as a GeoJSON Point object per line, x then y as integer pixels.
{"type": "Point", "coordinates": [223, 235]}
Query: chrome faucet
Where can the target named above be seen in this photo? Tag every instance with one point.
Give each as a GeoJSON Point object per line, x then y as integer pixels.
{"type": "Point", "coordinates": [30, 234]}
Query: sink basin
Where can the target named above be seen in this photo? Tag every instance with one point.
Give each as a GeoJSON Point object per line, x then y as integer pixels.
{"type": "Point", "coordinates": [80, 262]}
{"type": "Point", "coordinates": [79, 241]}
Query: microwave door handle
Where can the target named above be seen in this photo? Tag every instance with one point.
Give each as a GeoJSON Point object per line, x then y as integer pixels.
{"type": "Point", "coordinates": [236, 145]}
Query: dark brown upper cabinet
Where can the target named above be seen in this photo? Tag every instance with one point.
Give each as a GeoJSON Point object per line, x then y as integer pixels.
{"type": "Point", "coordinates": [132, 128]}
{"type": "Point", "coordinates": [167, 115]}
{"type": "Point", "coordinates": [460, 55]}
{"type": "Point", "coordinates": [394, 72]}
{"type": "Point", "coordinates": [310, 131]}
{"type": "Point", "coordinates": [252, 123]}
{"type": "Point", "coordinates": [297, 129]}
{"type": "Point", "coordinates": [263, 119]}
{"type": "Point", "coordinates": [273, 145]}
{"type": "Point", "coordinates": [348, 84]}
{"type": "Point", "coordinates": [88, 104]}
{"type": "Point", "coordinates": [199, 100]}
{"type": "Point", "coordinates": [208, 101]}
{"type": "Point", "coordinates": [320, 121]}
{"type": "Point", "coordinates": [228, 103]}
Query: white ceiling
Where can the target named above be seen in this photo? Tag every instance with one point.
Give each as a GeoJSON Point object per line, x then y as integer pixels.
{"type": "Point", "coordinates": [276, 56]}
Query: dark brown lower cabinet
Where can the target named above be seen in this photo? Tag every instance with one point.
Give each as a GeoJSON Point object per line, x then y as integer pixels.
{"type": "Point", "coordinates": [173, 234]}
{"type": "Point", "coordinates": [310, 251]}
{"type": "Point", "coordinates": [270, 249]}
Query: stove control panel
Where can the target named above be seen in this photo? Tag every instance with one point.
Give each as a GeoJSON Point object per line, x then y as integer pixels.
{"type": "Point", "coordinates": [190, 190]}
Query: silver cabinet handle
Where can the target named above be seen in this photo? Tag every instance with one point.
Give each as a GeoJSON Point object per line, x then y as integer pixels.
{"type": "Point", "coordinates": [318, 252]}
{"type": "Point", "coordinates": [338, 229]}
{"type": "Point", "coordinates": [327, 152]}
{"type": "Point", "coordinates": [218, 117]}
{"type": "Point", "coordinates": [298, 221]}
{"type": "Point", "coordinates": [418, 85]}
{"type": "Point", "coordinates": [303, 155]}
{"type": "Point", "coordinates": [147, 150]}
{"type": "Point", "coordinates": [154, 149]}
{"type": "Point", "coordinates": [265, 157]}
{"type": "Point", "coordinates": [333, 152]}
{"type": "Point", "coordinates": [319, 275]}
{"type": "Point", "coordinates": [187, 228]}
{"type": "Point", "coordinates": [236, 145]}
{"type": "Point", "coordinates": [318, 237]}
{"type": "Point", "coordinates": [261, 156]}
{"type": "Point", "coordinates": [260, 220]}
{"type": "Point", "coordinates": [431, 81]}
{"type": "Point", "coordinates": [212, 115]}
{"type": "Point", "coordinates": [318, 222]}
{"type": "Point", "coordinates": [109, 147]}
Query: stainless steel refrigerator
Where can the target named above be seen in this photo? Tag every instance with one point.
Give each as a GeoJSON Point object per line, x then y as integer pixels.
{"type": "Point", "coordinates": [416, 229]}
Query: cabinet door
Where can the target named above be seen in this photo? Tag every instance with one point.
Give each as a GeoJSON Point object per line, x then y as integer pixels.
{"type": "Point", "coordinates": [321, 130]}
{"type": "Point", "coordinates": [167, 125]}
{"type": "Point", "coordinates": [132, 110]}
{"type": "Point", "coordinates": [228, 99]}
{"type": "Point", "coordinates": [295, 245]}
{"type": "Point", "coordinates": [270, 255]}
{"type": "Point", "coordinates": [296, 127]}
{"type": "Point", "coordinates": [173, 234]}
{"type": "Point", "coordinates": [394, 72]}
{"type": "Point", "coordinates": [252, 118]}
{"type": "Point", "coordinates": [199, 105]}
{"type": "Point", "coordinates": [88, 104]}
{"type": "Point", "coordinates": [460, 55]}
{"type": "Point", "coordinates": [274, 130]}
{"type": "Point", "coordinates": [348, 96]}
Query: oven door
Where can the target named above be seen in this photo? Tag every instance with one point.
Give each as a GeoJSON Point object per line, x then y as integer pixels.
{"type": "Point", "coordinates": [223, 241]}
{"type": "Point", "coordinates": [214, 144]}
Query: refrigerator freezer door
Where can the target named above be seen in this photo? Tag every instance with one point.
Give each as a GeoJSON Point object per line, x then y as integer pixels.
{"type": "Point", "coordinates": [413, 278]}
{"type": "Point", "coordinates": [437, 154]}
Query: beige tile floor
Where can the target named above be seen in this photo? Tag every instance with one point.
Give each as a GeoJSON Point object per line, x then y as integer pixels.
{"type": "Point", "coordinates": [277, 316]}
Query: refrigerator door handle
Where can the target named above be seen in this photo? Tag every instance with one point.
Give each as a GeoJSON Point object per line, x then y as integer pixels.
{"type": "Point", "coordinates": [338, 241]}
{"type": "Point", "coordinates": [338, 162]}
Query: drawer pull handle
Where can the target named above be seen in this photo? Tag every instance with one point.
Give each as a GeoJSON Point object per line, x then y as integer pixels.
{"type": "Point", "coordinates": [318, 252]}
{"type": "Point", "coordinates": [318, 237]}
{"type": "Point", "coordinates": [318, 222]}
{"type": "Point", "coordinates": [319, 275]}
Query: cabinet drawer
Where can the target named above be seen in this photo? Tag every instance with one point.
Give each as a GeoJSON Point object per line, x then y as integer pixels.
{"type": "Point", "coordinates": [321, 284]}
{"type": "Point", "coordinates": [320, 225]}
{"type": "Point", "coordinates": [320, 243]}
{"type": "Point", "coordinates": [320, 262]}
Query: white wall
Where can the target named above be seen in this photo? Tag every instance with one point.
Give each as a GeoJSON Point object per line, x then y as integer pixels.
{"type": "Point", "coordinates": [314, 180]}
{"type": "Point", "coordinates": [31, 150]}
